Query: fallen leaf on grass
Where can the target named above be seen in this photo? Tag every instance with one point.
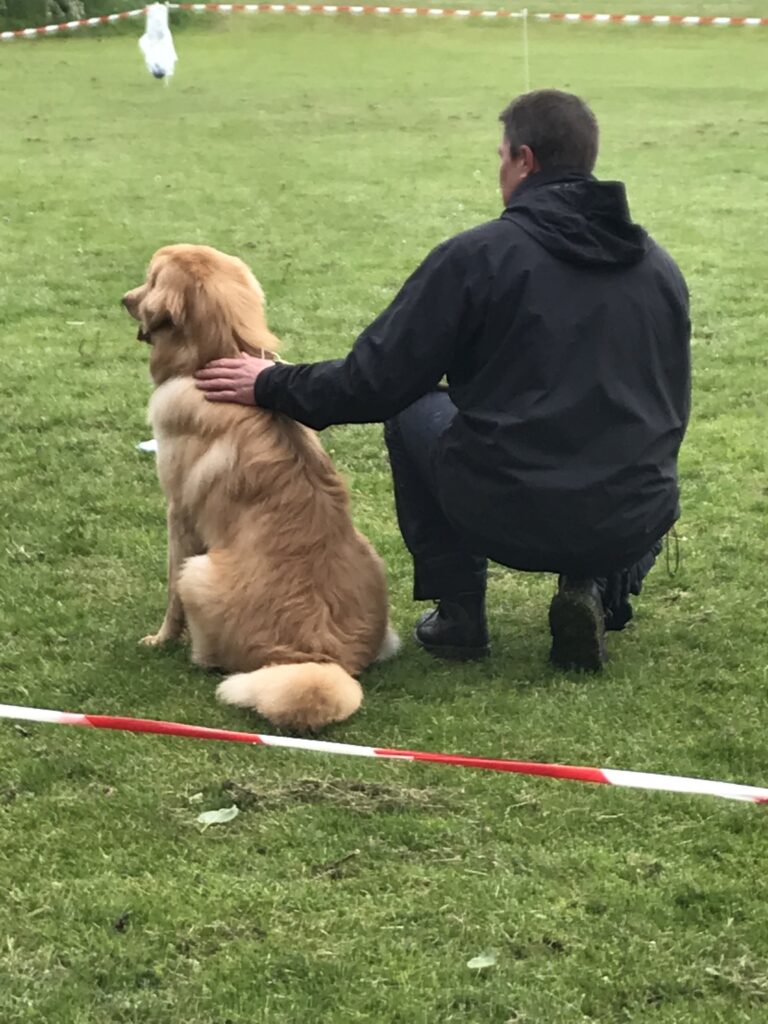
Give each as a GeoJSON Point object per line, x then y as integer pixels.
{"type": "Point", "coordinates": [482, 962]}
{"type": "Point", "coordinates": [220, 817]}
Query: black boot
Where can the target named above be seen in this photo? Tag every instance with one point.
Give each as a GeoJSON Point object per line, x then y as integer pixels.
{"type": "Point", "coordinates": [577, 624]}
{"type": "Point", "coordinates": [456, 629]}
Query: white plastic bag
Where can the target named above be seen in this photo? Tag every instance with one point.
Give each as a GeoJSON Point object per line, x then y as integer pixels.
{"type": "Point", "coordinates": [157, 43]}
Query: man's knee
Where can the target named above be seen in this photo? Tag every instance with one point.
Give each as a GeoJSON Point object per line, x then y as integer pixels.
{"type": "Point", "coordinates": [422, 423]}
{"type": "Point", "coordinates": [393, 439]}
{"type": "Point", "coordinates": [391, 431]}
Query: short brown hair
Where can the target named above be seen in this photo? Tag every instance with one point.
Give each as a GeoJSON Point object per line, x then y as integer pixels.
{"type": "Point", "coordinates": [559, 128]}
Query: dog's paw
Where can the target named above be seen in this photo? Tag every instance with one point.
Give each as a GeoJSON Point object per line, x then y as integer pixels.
{"type": "Point", "coordinates": [154, 640]}
{"type": "Point", "coordinates": [390, 645]}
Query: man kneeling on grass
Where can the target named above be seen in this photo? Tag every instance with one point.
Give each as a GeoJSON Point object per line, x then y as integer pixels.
{"type": "Point", "coordinates": [563, 331]}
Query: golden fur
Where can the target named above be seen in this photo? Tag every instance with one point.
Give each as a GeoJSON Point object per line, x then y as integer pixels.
{"type": "Point", "coordinates": [264, 563]}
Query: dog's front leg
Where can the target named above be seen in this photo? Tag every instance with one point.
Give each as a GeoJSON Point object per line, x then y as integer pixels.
{"type": "Point", "coordinates": [182, 544]}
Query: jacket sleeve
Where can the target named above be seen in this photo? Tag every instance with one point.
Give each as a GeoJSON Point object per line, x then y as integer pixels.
{"type": "Point", "coordinates": [399, 358]}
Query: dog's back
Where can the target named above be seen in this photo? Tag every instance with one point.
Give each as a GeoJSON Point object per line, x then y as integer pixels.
{"type": "Point", "coordinates": [265, 501]}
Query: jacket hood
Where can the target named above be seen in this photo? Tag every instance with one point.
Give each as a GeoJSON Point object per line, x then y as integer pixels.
{"type": "Point", "coordinates": [578, 219]}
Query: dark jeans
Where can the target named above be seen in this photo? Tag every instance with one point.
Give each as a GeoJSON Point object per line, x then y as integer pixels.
{"type": "Point", "coordinates": [446, 563]}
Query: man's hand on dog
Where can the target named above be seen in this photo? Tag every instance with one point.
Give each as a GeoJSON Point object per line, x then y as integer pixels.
{"type": "Point", "coordinates": [231, 380]}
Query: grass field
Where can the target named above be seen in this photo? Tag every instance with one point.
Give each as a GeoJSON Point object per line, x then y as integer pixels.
{"type": "Point", "coordinates": [331, 154]}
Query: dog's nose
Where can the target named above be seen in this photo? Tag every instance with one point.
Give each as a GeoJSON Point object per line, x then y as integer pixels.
{"type": "Point", "coordinates": [124, 301]}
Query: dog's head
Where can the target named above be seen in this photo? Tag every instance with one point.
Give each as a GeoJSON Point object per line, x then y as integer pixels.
{"type": "Point", "coordinates": [198, 304]}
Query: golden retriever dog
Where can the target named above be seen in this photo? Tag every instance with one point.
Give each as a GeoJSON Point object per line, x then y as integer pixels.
{"type": "Point", "coordinates": [265, 567]}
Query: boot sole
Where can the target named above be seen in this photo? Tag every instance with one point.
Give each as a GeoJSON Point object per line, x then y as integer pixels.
{"type": "Point", "coordinates": [448, 652]}
{"type": "Point", "coordinates": [577, 633]}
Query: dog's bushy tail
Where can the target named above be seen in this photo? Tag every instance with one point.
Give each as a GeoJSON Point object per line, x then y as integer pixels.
{"type": "Point", "coordinates": [303, 697]}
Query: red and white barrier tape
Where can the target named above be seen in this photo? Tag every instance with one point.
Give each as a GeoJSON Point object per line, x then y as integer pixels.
{"type": "Point", "coordinates": [291, 8]}
{"type": "Point", "coordinates": [428, 12]}
{"type": "Point", "coordinates": [574, 773]}
{"type": "Point", "coordinates": [66, 26]}
{"type": "Point", "coordinates": [453, 12]}
{"type": "Point", "coordinates": [652, 19]}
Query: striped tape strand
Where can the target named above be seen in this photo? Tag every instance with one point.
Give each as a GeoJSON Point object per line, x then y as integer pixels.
{"type": "Point", "coordinates": [573, 773]}
{"type": "Point", "coordinates": [421, 12]}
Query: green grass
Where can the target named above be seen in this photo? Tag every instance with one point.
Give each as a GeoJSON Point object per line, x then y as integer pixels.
{"type": "Point", "coordinates": [331, 154]}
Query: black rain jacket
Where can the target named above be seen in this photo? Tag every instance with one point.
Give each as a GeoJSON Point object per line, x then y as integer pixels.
{"type": "Point", "coordinates": [564, 333]}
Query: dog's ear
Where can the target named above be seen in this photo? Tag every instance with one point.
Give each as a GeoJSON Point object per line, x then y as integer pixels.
{"type": "Point", "coordinates": [249, 323]}
{"type": "Point", "coordinates": [165, 302]}
{"type": "Point", "coordinates": [226, 315]}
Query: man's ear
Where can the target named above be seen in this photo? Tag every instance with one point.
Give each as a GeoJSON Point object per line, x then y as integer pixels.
{"type": "Point", "coordinates": [530, 163]}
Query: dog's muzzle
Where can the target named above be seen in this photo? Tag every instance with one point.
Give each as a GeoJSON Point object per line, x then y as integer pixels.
{"type": "Point", "coordinates": [144, 336]}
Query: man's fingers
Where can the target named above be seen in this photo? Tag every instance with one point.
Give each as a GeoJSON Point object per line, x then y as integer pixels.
{"type": "Point", "coordinates": [221, 396]}
{"type": "Point", "coordinates": [232, 370]}
{"type": "Point", "coordinates": [230, 380]}
{"type": "Point", "coordinates": [219, 383]}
